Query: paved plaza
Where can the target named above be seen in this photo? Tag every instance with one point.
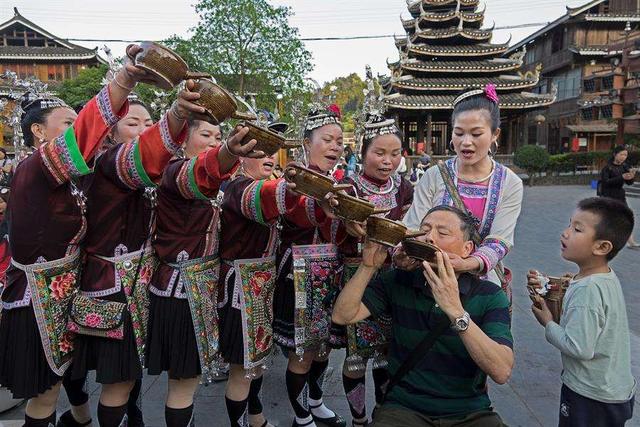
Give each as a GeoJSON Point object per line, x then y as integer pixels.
{"type": "Point", "coordinates": [531, 396]}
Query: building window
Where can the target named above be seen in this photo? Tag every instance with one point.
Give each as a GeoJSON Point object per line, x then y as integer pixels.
{"type": "Point", "coordinates": [587, 113]}
{"type": "Point", "coordinates": [607, 83]}
{"type": "Point", "coordinates": [606, 111]}
{"type": "Point", "coordinates": [568, 84]}
{"type": "Point", "coordinates": [590, 85]}
{"type": "Point", "coordinates": [629, 109]}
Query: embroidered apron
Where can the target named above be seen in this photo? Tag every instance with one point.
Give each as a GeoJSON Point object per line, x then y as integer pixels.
{"type": "Point", "coordinates": [367, 339]}
{"type": "Point", "coordinates": [316, 276]}
{"type": "Point", "coordinates": [125, 267]}
{"type": "Point", "coordinates": [255, 281]}
{"type": "Point", "coordinates": [200, 279]}
{"type": "Point", "coordinates": [52, 285]}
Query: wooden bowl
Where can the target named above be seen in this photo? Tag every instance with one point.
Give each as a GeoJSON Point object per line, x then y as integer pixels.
{"type": "Point", "coordinates": [352, 208]}
{"type": "Point", "coordinates": [165, 66]}
{"type": "Point", "coordinates": [420, 250]}
{"type": "Point", "coordinates": [313, 184]}
{"type": "Point", "coordinates": [219, 104]}
{"type": "Point", "coordinates": [388, 232]}
{"type": "Point", "coordinates": [268, 141]}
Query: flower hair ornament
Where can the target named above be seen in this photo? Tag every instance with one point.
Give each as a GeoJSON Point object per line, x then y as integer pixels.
{"type": "Point", "coordinates": [489, 91]}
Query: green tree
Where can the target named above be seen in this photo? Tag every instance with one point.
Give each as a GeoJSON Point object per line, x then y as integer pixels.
{"type": "Point", "coordinates": [247, 45]}
{"type": "Point", "coordinates": [532, 158]}
{"type": "Point", "coordinates": [83, 87]}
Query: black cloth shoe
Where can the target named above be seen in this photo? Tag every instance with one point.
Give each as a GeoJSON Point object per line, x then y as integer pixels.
{"type": "Point", "coordinates": [67, 420]}
{"type": "Point", "coordinates": [335, 421]}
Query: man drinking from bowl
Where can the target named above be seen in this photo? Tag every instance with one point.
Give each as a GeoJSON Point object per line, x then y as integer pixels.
{"type": "Point", "coordinates": [449, 330]}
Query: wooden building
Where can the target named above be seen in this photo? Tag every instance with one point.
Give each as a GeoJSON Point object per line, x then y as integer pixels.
{"type": "Point", "coordinates": [30, 50]}
{"type": "Point", "coordinates": [580, 54]}
{"type": "Point", "coordinates": [446, 50]}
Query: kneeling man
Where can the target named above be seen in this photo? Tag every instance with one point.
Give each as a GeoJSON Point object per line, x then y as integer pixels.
{"type": "Point", "coordinates": [447, 386]}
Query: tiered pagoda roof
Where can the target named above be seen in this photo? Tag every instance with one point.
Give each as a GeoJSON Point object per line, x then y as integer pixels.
{"type": "Point", "coordinates": [446, 50]}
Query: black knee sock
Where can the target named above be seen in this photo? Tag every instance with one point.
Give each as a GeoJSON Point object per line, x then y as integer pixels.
{"type": "Point", "coordinates": [111, 416]}
{"type": "Point", "coordinates": [40, 422]}
{"type": "Point", "coordinates": [178, 417]}
{"type": "Point", "coordinates": [316, 379]}
{"type": "Point", "coordinates": [134, 412]}
{"type": "Point", "coordinates": [237, 412]}
{"type": "Point", "coordinates": [75, 389]}
{"type": "Point", "coordinates": [380, 378]}
{"type": "Point", "coordinates": [255, 404]}
{"type": "Point", "coordinates": [298, 391]}
{"type": "Point", "coordinates": [355, 391]}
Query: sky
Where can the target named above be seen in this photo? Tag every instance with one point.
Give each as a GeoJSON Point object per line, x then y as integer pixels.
{"type": "Point", "coordinates": [156, 20]}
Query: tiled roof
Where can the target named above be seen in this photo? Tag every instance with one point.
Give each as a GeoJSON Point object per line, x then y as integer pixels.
{"type": "Point", "coordinates": [509, 101]}
{"type": "Point", "coordinates": [594, 128]}
{"type": "Point", "coordinates": [414, 7]}
{"type": "Point", "coordinates": [428, 17]}
{"type": "Point", "coordinates": [612, 17]}
{"type": "Point", "coordinates": [503, 83]}
{"type": "Point", "coordinates": [24, 52]}
{"type": "Point", "coordinates": [458, 50]}
{"type": "Point", "coordinates": [480, 66]}
{"type": "Point", "coordinates": [465, 33]}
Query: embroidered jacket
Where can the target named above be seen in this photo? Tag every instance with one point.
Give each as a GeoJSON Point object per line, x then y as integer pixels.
{"type": "Point", "coordinates": [119, 214]}
{"type": "Point", "coordinates": [502, 208]}
{"type": "Point", "coordinates": [187, 217]}
{"type": "Point", "coordinates": [396, 194]}
{"type": "Point", "coordinates": [45, 218]}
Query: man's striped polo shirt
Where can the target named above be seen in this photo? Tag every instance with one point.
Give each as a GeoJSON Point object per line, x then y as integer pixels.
{"type": "Point", "coordinates": [446, 382]}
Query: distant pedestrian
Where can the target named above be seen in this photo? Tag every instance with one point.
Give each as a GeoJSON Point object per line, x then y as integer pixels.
{"type": "Point", "coordinates": [593, 335]}
{"type": "Point", "coordinates": [351, 160]}
{"type": "Point", "coordinates": [338, 174]}
{"type": "Point", "coordinates": [614, 176]}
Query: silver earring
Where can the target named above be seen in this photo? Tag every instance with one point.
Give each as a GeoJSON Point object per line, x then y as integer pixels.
{"type": "Point", "coordinates": [451, 147]}
{"type": "Point", "coordinates": [491, 151]}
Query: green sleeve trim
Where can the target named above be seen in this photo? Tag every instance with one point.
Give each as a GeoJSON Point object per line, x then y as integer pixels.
{"type": "Point", "coordinates": [74, 153]}
{"type": "Point", "coordinates": [192, 180]}
{"type": "Point", "coordinates": [258, 203]}
{"type": "Point", "coordinates": [148, 182]}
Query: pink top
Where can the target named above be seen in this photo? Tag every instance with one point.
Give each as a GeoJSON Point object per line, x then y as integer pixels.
{"type": "Point", "coordinates": [474, 197]}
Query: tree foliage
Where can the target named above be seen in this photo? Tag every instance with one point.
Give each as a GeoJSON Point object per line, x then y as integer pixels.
{"type": "Point", "coordinates": [531, 158]}
{"type": "Point", "coordinates": [83, 87]}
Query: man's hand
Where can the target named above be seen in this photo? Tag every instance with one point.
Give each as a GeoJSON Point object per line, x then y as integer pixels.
{"type": "Point", "coordinates": [541, 310]}
{"type": "Point", "coordinates": [373, 254]}
{"type": "Point", "coordinates": [356, 229]}
{"type": "Point", "coordinates": [403, 261]}
{"type": "Point", "coordinates": [235, 147]}
{"type": "Point", "coordinates": [444, 286]}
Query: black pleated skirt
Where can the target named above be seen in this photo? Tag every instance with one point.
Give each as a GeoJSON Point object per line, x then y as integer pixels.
{"type": "Point", "coordinates": [283, 313]}
{"type": "Point", "coordinates": [23, 365]}
{"type": "Point", "coordinates": [114, 361]}
{"type": "Point", "coordinates": [231, 333]}
{"type": "Point", "coordinates": [171, 341]}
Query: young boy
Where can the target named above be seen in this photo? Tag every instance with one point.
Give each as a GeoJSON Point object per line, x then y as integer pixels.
{"type": "Point", "coordinates": [593, 335]}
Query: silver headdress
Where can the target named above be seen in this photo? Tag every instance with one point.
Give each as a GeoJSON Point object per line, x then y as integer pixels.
{"type": "Point", "coordinates": [371, 121]}
{"type": "Point", "coordinates": [321, 113]}
{"type": "Point", "coordinates": [26, 94]}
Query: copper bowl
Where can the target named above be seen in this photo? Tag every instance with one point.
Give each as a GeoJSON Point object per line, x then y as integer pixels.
{"type": "Point", "coordinates": [218, 103]}
{"type": "Point", "coordinates": [420, 250]}
{"type": "Point", "coordinates": [313, 184]}
{"type": "Point", "coordinates": [388, 232]}
{"type": "Point", "coordinates": [165, 66]}
{"type": "Point", "coordinates": [268, 141]}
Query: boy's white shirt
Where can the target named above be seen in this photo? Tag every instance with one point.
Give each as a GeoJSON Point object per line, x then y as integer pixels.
{"type": "Point", "coordinates": [593, 338]}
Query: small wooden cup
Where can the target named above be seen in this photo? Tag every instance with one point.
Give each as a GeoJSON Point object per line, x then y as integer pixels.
{"type": "Point", "coordinates": [218, 103]}
{"type": "Point", "coordinates": [268, 141]}
{"type": "Point", "coordinates": [354, 209]}
{"type": "Point", "coordinates": [422, 251]}
{"type": "Point", "coordinates": [313, 184]}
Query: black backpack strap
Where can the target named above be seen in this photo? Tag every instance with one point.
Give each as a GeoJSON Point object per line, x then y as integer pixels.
{"type": "Point", "coordinates": [419, 352]}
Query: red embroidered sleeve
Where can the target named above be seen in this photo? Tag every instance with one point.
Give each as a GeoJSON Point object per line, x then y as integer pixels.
{"type": "Point", "coordinates": [200, 177]}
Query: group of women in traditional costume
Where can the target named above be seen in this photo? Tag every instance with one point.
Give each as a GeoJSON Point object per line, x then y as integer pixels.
{"type": "Point", "coordinates": [127, 256]}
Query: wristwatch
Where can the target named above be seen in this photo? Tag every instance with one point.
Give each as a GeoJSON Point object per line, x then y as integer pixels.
{"type": "Point", "coordinates": [461, 324]}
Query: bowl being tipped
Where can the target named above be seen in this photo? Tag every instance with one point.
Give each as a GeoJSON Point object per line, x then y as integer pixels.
{"type": "Point", "coordinates": [388, 232]}
{"type": "Point", "coordinates": [352, 208]}
{"type": "Point", "coordinates": [420, 250]}
{"type": "Point", "coordinates": [311, 183]}
{"type": "Point", "coordinates": [268, 141]}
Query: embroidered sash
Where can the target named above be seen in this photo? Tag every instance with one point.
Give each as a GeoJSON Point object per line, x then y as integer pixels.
{"type": "Point", "coordinates": [316, 275]}
{"type": "Point", "coordinates": [125, 267]}
{"type": "Point", "coordinates": [52, 285]}
{"type": "Point", "coordinates": [253, 295]}
{"type": "Point", "coordinates": [367, 339]}
{"type": "Point", "coordinates": [200, 278]}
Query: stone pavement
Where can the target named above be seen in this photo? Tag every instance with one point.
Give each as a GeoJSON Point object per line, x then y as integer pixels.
{"type": "Point", "coordinates": [531, 396]}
